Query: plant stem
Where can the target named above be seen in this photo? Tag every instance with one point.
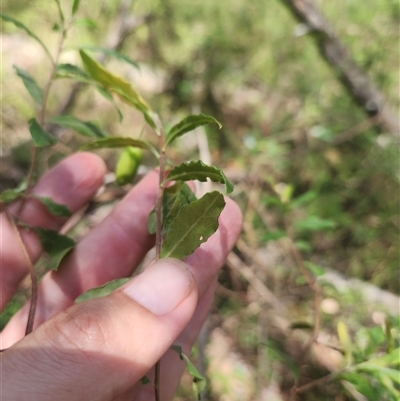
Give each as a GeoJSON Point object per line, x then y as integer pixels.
{"type": "Point", "coordinates": [159, 225]}
{"type": "Point", "coordinates": [34, 287]}
{"type": "Point", "coordinates": [41, 120]}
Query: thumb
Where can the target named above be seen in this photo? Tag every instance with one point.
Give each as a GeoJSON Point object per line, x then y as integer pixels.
{"type": "Point", "coordinates": [98, 349]}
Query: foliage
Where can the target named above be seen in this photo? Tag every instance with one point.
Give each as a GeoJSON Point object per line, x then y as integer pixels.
{"type": "Point", "coordinates": [311, 170]}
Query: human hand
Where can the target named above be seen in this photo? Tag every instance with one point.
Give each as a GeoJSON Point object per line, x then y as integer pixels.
{"type": "Point", "coordinates": [101, 348]}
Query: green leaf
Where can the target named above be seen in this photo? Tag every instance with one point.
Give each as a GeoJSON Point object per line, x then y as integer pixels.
{"type": "Point", "coordinates": [40, 137]}
{"type": "Point", "coordinates": [145, 380]}
{"type": "Point", "coordinates": [83, 127]}
{"type": "Point", "coordinates": [189, 124]}
{"type": "Point", "coordinates": [72, 71]}
{"type": "Point", "coordinates": [174, 198]}
{"type": "Point", "coordinates": [314, 223]}
{"type": "Point", "coordinates": [197, 170]}
{"type": "Point", "coordinates": [111, 53]}
{"type": "Point", "coordinates": [199, 382]}
{"type": "Point", "coordinates": [55, 244]}
{"type": "Point", "coordinates": [54, 208]}
{"type": "Point", "coordinates": [122, 88]}
{"type": "Point", "coordinates": [119, 142]}
{"type": "Point", "coordinates": [345, 340]}
{"type": "Point", "coordinates": [316, 270]}
{"type": "Point", "coordinates": [102, 291]}
{"type": "Point", "coordinates": [128, 165]}
{"type": "Point", "coordinates": [10, 195]}
{"type": "Point", "coordinates": [109, 97]}
{"type": "Point", "coordinates": [75, 6]}
{"type": "Point", "coordinates": [30, 84]}
{"type": "Point", "coordinates": [60, 12]}
{"type": "Point", "coordinates": [273, 235]}
{"type": "Point", "coordinates": [20, 25]}
{"type": "Point", "coordinates": [86, 22]}
{"type": "Point", "coordinates": [193, 225]}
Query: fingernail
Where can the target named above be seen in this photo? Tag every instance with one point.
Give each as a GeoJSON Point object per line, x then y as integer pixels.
{"type": "Point", "coordinates": [162, 286]}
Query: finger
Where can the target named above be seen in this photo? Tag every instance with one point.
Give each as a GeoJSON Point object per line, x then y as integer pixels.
{"type": "Point", "coordinates": [72, 183]}
{"type": "Point", "coordinates": [111, 250]}
{"type": "Point", "coordinates": [172, 366]}
{"type": "Point", "coordinates": [94, 350]}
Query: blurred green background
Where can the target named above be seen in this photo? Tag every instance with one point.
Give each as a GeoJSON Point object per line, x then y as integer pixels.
{"type": "Point", "coordinates": [312, 171]}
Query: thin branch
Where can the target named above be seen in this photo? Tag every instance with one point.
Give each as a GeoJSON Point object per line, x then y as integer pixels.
{"type": "Point", "coordinates": [34, 287]}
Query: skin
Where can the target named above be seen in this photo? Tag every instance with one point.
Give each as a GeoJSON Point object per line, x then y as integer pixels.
{"type": "Point", "coordinates": [99, 349]}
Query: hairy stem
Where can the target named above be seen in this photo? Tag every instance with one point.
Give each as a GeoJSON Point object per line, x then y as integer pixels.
{"type": "Point", "coordinates": [41, 120]}
{"type": "Point", "coordinates": [34, 287]}
{"type": "Point", "coordinates": [159, 224]}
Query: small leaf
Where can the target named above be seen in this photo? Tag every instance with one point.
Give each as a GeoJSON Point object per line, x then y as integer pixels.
{"type": "Point", "coordinates": [75, 6]}
{"type": "Point", "coordinates": [189, 124]}
{"type": "Point", "coordinates": [145, 380]}
{"type": "Point", "coordinates": [193, 225]}
{"type": "Point", "coordinates": [54, 208]}
{"type": "Point", "coordinates": [199, 382]}
{"type": "Point", "coordinates": [30, 84]}
{"type": "Point", "coordinates": [197, 170]}
{"type": "Point", "coordinates": [86, 22]}
{"type": "Point", "coordinates": [72, 71]}
{"type": "Point", "coordinates": [316, 270]}
{"type": "Point", "coordinates": [128, 165]}
{"type": "Point", "coordinates": [111, 53]}
{"type": "Point", "coordinates": [174, 198]}
{"type": "Point", "coordinates": [55, 244]}
{"type": "Point", "coordinates": [273, 235]}
{"type": "Point", "coordinates": [83, 127]}
{"type": "Point", "coordinates": [345, 340]}
{"type": "Point", "coordinates": [119, 142]}
{"type": "Point", "coordinates": [314, 223]}
{"type": "Point", "coordinates": [122, 88]}
{"type": "Point", "coordinates": [109, 97]}
{"type": "Point", "coordinates": [40, 137]}
{"type": "Point", "coordinates": [20, 25]}
{"type": "Point", "coordinates": [10, 195]}
{"type": "Point", "coordinates": [60, 12]}
{"type": "Point", "coordinates": [102, 291]}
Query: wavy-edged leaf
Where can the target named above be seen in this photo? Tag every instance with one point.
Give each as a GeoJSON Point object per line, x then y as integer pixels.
{"type": "Point", "coordinates": [30, 84]}
{"type": "Point", "coordinates": [102, 291]}
{"type": "Point", "coordinates": [75, 6]}
{"type": "Point", "coordinates": [193, 225]}
{"type": "Point", "coordinates": [122, 88]}
{"type": "Point", "coordinates": [174, 198]}
{"type": "Point", "coordinates": [120, 142]}
{"type": "Point", "coordinates": [197, 170]}
{"type": "Point", "coordinates": [199, 382]}
{"type": "Point", "coordinates": [55, 244]}
{"type": "Point", "coordinates": [72, 71]}
{"type": "Point", "coordinates": [111, 53]}
{"type": "Point", "coordinates": [85, 128]}
{"type": "Point", "coordinates": [189, 124]}
{"type": "Point", "coordinates": [40, 136]}
{"type": "Point", "coordinates": [56, 209]}
{"type": "Point", "coordinates": [20, 25]}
